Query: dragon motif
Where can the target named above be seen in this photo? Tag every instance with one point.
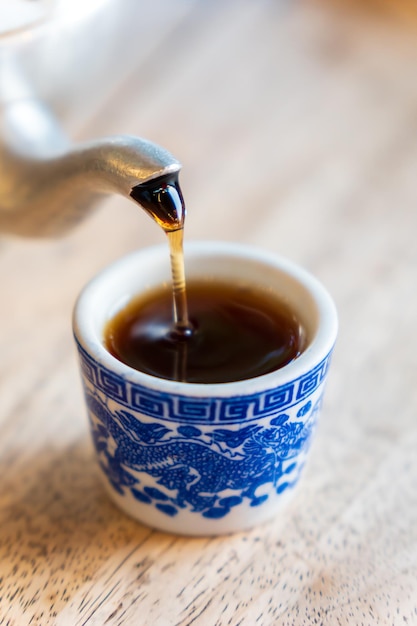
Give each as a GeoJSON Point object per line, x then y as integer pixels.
{"type": "Point", "coordinates": [204, 470]}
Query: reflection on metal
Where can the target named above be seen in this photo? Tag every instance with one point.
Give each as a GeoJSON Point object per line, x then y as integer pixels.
{"type": "Point", "coordinates": [46, 185]}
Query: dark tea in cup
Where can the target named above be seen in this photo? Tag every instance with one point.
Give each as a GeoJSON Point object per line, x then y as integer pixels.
{"type": "Point", "coordinates": [199, 332]}
{"type": "Point", "coordinates": [236, 332]}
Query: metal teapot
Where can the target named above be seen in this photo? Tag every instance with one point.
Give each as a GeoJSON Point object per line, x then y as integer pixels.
{"type": "Point", "coordinates": [47, 183]}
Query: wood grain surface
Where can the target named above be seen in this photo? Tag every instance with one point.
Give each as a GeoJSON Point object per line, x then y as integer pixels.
{"type": "Point", "coordinates": [296, 125]}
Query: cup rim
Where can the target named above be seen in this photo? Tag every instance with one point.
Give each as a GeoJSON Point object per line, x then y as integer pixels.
{"type": "Point", "coordinates": [318, 350]}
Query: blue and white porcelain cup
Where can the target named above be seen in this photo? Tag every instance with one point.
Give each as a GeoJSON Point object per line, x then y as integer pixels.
{"type": "Point", "coordinates": [203, 459]}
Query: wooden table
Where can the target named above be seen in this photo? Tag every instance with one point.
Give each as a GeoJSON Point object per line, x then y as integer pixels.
{"type": "Point", "coordinates": [296, 126]}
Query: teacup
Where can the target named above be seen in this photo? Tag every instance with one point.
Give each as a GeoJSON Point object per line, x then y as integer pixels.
{"type": "Point", "coordinates": [203, 459]}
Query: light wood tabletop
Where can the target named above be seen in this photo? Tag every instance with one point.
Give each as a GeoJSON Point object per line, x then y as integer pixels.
{"type": "Point", "coordinates": [296, 126]}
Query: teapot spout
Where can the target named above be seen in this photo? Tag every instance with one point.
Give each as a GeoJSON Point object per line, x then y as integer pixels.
{"type": "Point", "coordinates": [47, 185]}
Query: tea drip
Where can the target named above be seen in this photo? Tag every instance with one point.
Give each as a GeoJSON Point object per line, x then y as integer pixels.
{"type": "Point", "coordinates": [162, 199]}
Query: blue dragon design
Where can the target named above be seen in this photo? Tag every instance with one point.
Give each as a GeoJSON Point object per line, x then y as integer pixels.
{"type": "Point", "coordinates": [206, 471]}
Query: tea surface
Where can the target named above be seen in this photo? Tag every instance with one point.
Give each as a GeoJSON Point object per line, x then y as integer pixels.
{"type": "Point", "coordinates": [236, 333]}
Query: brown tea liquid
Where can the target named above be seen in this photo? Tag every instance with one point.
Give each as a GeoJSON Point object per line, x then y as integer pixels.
{"type": "Point", "coordinates": [238, 333]}
{"type": "Point", "coordinates": [163, 200]}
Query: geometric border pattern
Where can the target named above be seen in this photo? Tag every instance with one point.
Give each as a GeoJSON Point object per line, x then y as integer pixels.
{"type": "Point", "coordinates": [197, 410]}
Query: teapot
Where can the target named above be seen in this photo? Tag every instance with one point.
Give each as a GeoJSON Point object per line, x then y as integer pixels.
{"type": "Point", "coordinates": [48, 183]}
